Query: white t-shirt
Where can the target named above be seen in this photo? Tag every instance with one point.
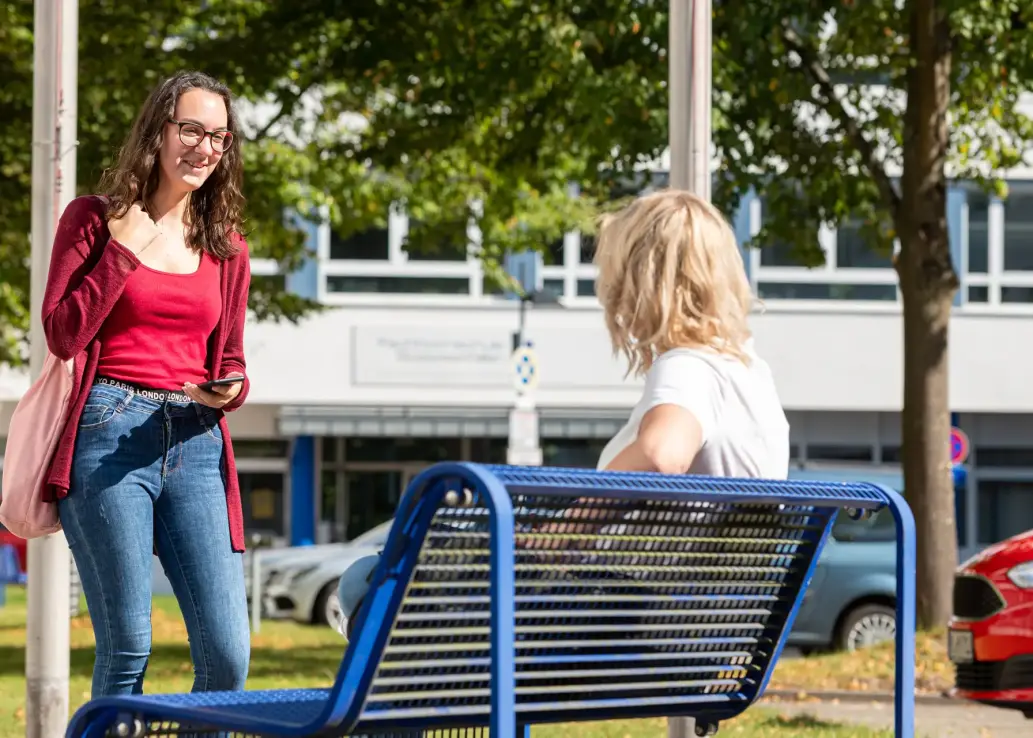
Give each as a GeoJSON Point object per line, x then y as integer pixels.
{"type": "Point", "coordinates": [745, 432]}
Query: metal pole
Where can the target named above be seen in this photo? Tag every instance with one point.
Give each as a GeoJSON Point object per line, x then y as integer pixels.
{"type": "Point", "coordinates": [54, 104]}
{"type": "Point", "coordinates": [678, 91]}
{"type": "Point", "coordinates": [700, 98]}
{"type": "Point", "coordinates": [256, 590]}
{"type": "Point", "coordinates": [689, 87]}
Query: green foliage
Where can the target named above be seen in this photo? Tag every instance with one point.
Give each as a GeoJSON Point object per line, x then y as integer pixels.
{"type": "Point", "coordinates": [437, 105]}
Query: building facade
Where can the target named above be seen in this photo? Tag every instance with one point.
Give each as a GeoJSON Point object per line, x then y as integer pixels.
{"type": "Point", "coordinates": [411, 365]}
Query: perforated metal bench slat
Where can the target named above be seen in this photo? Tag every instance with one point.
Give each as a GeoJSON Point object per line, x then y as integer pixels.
{"type": "Point", "coordinates": [637, 596]}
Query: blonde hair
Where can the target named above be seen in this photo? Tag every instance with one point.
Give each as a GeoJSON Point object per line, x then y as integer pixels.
{"type": "Point", "coordinates": [671, 276]}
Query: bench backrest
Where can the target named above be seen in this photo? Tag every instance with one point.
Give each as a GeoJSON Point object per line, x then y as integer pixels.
{"type": "Point", "coordinates": [566, 594]}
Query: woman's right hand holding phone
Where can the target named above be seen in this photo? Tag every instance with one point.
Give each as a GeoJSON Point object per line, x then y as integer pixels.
{"type": "Point", "coordinates": [135, 230]}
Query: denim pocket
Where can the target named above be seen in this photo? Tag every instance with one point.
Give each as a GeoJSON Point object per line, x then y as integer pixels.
{"type": "Point", "coordinates": [210, 421]}
{"type": "Point", "coordinates": [96, 416]}
{"type": "Point", "coordinates": [103, 405]}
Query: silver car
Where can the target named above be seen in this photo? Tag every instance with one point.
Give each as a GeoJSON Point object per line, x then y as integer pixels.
{"type": "Point", "coordinates": [307, 588]}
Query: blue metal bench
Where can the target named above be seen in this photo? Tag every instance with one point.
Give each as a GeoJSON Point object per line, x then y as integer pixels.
{"type": "Point", "coordinates": [510, 596]}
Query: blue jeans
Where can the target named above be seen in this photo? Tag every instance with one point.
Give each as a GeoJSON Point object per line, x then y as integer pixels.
{"type": "Point", "coordinates": [147, 477]}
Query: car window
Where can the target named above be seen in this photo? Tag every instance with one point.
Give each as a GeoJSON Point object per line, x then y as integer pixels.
{"type": "Point", "coordinates": [880, 528]}
{"type": "Point", "coordinates": [374, 536]}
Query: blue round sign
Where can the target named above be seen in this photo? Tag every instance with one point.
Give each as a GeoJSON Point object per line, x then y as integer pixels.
{"type": "Point", "coordinates": [959, 446]}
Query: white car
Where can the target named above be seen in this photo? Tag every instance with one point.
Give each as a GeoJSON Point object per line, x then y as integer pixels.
{"type": "Point", "coordinates": [277, 563]}
{"type": "Point", "coordinates": [307, 588]}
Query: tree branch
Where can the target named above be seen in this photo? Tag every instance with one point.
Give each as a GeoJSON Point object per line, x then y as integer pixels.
{"type": "Point", "coordinates": [287, 103]}
{"type": "Point", "coordinates": [834, 105]}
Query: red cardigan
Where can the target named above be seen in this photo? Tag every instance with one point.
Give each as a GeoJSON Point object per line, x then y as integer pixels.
{"type": "Point", "coordinates": [88, 271]}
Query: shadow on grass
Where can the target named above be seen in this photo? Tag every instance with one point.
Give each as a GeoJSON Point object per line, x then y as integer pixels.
{"type": "Point", "coordinates": [309, 662]}
{"type": "Point", "coordinates": [808, 722]}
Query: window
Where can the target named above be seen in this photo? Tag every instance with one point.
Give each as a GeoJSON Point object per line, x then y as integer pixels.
{"type": "Point", "coordinates": [880, 528]}
{"type": "Point", "coordinates": [553, 255]}
{"type": "Point", "coordinates": [445, 242]}
{"type": "Point", "coordinates": [824, 452]}
{"type": "Point", "coordinates": [400, 285]}
{"type": "Point", "coordinates": [272, 448]}
{"type": "Point", "coordinates": [1005, 509]}
{"type": "Point", "coordinates": [853, 251]}
{"type": "Point", "coordinates": [776, 254]}
{"type": "Point", "coordinates": [587, 248]}
{"type": "Point", "coordinates": [368, 245]}
{"type": "Point", "coordinates": [261, 497]}
{"type": "Point", "coordinates": [1018, 230]}
{"type": "Point", "coordinates": [572, 452]}
{"type": "Point", "coordinates": [978, 233]}
{"type": "Point", "coordinates": [826, 291]}
{"type": "Point", "coordinates": [488, 450]}
{"type": "Point", "coordinates": [428, 450]}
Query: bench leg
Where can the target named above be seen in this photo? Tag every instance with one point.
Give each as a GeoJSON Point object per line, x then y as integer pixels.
{"type": "Point", "coordinates": [904, 683]}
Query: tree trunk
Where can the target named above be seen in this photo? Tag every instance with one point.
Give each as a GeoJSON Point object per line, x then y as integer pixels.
{"type": "Point", "coordinates": [928, 481]}
{"type": "Point", "coordinates": [928, 283]}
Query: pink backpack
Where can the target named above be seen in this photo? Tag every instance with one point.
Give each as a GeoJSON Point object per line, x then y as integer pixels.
{"type": "Point", "coordinates": [32, 439]}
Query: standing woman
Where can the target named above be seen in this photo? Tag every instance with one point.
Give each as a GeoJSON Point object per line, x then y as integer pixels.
{"type": "Point", "coordinates": [147, 293]}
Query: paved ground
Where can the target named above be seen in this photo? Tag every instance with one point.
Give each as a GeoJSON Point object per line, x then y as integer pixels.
{"type": "Point", "coordinates": [950, 720]}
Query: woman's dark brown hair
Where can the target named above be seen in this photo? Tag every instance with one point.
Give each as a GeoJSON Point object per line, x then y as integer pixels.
{"type": "Point", "coordinates": [216, 208]}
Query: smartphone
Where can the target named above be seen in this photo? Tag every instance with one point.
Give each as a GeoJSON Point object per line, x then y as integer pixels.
{"type": "Point", "coordinates": [210, 385]}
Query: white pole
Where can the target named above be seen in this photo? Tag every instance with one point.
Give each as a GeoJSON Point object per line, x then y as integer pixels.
{"type": "Point", "coordinates": [689, 90]}
{"type": "Point", "coordinates": [678, 91]}
{"type": "Point", "coordinates": [54, 104]}
{"type": "Point", "coordinates": [700, 98]}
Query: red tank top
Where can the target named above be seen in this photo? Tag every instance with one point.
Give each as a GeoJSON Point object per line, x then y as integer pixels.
{"type": "Point", "coordinates": [157, 333]}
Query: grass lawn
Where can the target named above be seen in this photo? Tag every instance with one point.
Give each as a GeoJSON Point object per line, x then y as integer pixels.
{"type": "Point", "coordinates": [288, 655]}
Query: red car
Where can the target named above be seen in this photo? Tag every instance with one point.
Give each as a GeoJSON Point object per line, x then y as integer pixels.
{"type": "Point", "coordinates": [990, 639]}
{"type": "Point", "coordinates": [20, 545]}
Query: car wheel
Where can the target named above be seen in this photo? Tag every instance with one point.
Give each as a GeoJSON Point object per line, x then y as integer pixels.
{"type": "Point", "coordinates": [866, 626]}
{"type": "Point", "coordinates": [328, 607]}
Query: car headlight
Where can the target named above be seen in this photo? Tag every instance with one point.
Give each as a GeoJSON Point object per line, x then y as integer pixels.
{"type": "Point", "coordinates": [1022, 575]}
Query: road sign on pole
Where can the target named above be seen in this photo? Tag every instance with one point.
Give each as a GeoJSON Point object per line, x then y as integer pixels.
{"type": "Point", "coordinates": [54, 110]}
{"type": "Point", "coordinates": [959, 446]}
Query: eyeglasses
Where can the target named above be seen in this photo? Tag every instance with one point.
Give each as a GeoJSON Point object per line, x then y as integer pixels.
{"type": "Point", "coordinates": [191, 134]}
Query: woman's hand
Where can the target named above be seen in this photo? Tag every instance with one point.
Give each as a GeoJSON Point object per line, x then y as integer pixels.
{"type": "Point", "coordinates": [219, 397]}
{"type": "Point", "coordinates": [135, 230]}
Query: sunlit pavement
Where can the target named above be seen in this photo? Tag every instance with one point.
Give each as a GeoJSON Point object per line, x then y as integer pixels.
{"type": "Point", "coordinates": [947, 720]}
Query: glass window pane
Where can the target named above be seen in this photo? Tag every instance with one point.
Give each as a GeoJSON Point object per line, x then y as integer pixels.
{"type": "Point", "coordinates": [1017, 294]}
{"type": "Point", "coordinates": [553, 255]}
{"type": "Point", "coordinates": [553, 287]}
{"type": "Point", "coordinates": [820, 291]}
{"type": "Point", "coordinates": [329, 450]}
{"type": "Point", "coordinates": [572, 452]}
{"type": "Point", "coordinates": [261, 497]}
{"type": "Point", "coordinates": [879, 529]}
{"type": "Point", "coordinates": [586, 288]}
{"type": "Point", "coordinates": [978, 215]}
{"type": "Point", "coordinates": [854, 252]}
{"type": "Point", "coordinates": [1018, 231]}
{"type": "Point", "coordinates": [587, 248]}
{"type": "Point", "coordinates": [1005, 509]}
{"type": "Point", "coordinates": [427, 450]}
{"type": "Point", "coordinates": [399, 285]}
{"type": "Point", "coordinates": [450, 243]}
{"type": "Point", "coordinates": [776, 254]}
{"type": "Point", "coordinates": [372, 499]}
{"type": "Point", "coordinates": [978, 293]}
{"type": "Point", "coordinates": [261, 449]}
{"type": "Point", "coordinates": [488, 450]}
{"type": "Point", "coordinates": [366, 245]}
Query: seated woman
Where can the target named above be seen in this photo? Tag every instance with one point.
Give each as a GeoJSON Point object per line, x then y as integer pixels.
{"type": "Point", "coordinates": [676, 303]}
